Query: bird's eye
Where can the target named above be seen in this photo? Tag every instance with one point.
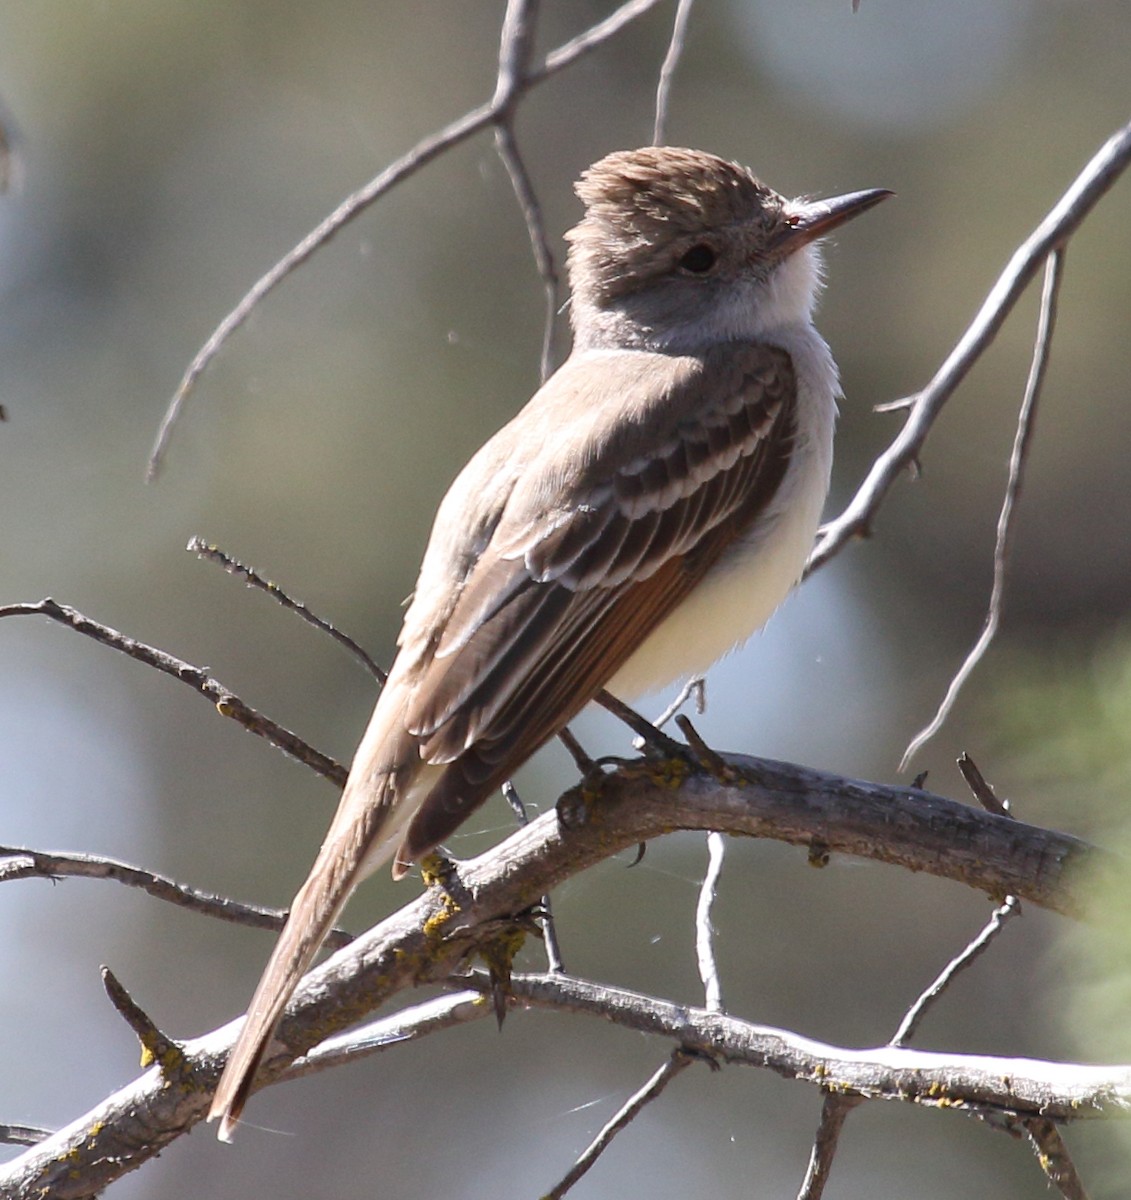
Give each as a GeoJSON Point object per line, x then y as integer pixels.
{"type": "Point", "coordinates": [699, 259]}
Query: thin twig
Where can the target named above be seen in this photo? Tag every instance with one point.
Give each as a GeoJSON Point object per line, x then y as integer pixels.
{"type": "Point", "coordinates": [157, 1047]}
{"type": "Point", "coordinates": [1009, 908]}
{"type": "Point", "coordinates": [23, 1135]}
{"type": "Point", "coordinates": [696, 688]}
{"type": "Point", "coordinates": [980, 788]}
{"type": "Point", "coordinates": [704, 934]}
{"type": "Point", "coordinates": [549, 929]}
{"type": "Point", "coordinates": [18, 862]}
{"type": "Point", "coordinates": [1056, 1162]}
{"type": "Point", "coordinates": [357, 202]}
{"type": "Point", "coordinates": [254, 579]}
{"type": "Point", "coordinates": [667, 71]}
{"type": "Point", "coordinates": [651, 737]}
{"type": "Point", "coordinates": [590, 39]}
{"type": "Point", "coordinates": [227, 703]}
{"type": "Point", "coordinates": [1052, 233]}
{"type": "Point", "coordinates": [507, 147]}
{"type": "Point", "coordinates": [676, 1062]}
{"type": "Point", "coordinates": [408, 1025]}
{"type": "Point", "coordinates": [516, 50]}
{"type": "Point", "coordinates": [1006, 911]}
{"type": "Point", "coordinates": [1022, 440]}
{"type": "Point", "coordinates": [834, 1112]}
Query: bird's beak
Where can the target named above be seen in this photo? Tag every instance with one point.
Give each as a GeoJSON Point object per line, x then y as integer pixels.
{"type": "Point", "coordinates": [807, 220]}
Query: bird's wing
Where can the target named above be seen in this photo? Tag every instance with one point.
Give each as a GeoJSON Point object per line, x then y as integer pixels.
{"type": "Point", "coordinates": [631, 497]}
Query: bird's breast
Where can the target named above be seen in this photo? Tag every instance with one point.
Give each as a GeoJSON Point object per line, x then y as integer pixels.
{"type": "Point", "coordinates": [741, 591]}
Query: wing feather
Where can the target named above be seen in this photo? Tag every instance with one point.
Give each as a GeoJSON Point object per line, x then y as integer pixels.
{"type": "Point", "coordinates": [570, 583]}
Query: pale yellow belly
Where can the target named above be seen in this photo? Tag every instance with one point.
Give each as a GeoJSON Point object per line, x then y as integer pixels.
{"type": "Point", "coordinates": [740, 593]}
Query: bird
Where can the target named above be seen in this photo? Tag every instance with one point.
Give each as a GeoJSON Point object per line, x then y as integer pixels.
{"type": "Point", "coordinates": [644, 513]}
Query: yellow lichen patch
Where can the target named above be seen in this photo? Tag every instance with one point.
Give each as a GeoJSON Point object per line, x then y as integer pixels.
{"type": "Point", "coordinates": [434, 925]}
{"type": "Point", "coordinates": [670, 772]}
{"type": "Point", "coordinates": [434, 870]}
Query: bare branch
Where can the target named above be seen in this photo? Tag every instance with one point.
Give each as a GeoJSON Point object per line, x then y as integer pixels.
{"type": "Point", "coordinates": [704, 934]}
{"type": "Point", "coordinates": [834, 1112]}
{"type": "Point", "coordinates": [676, 1062]}
{"type": "Point", "coordinates": [667, 71]}
{"type": "Point", "coordinates": [515, 53]}
{"type": "Point", "coordinates": [1010, 908]}
{"type": "Point", "coordinates": [227, 703]}
{"type": "Point", "coordinates": [695, 688]}
{"type": "Point", "coordinates": [1053, 232]}
{"type": "Point", "coordinates": [430, 937]}
{"type": "Point", "coordinates": [837, 1106]}
{"type": "Point", "coordinates": [419, 156]}
{"type": "Point", "coordinates": [1054, 1158]}
{"type": "Point", "coordinates": [156, 1047]}
{"type": "Point", "coordinates": [23, 1135]}
{"type": "Point", "coordinates": [18, 862]}
{"type": "Point", "coordinates": [254, 579]}
{"type": "Point", "coordinates": [549, 929]}
{"type": "Point", "coordinates": [1026, 421]}
{"type": "Point", "coordinates": [408, 1025]}
{"type": "Point", "coordinates": [1059, 1091]}
{"type": "Point", "coordinates": [593, 37]}
{"type": "Point", "coordinates": [528, 202]}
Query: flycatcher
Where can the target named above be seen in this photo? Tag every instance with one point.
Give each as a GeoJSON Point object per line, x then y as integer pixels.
{"type": "Point", "coordinates": [645, 513]}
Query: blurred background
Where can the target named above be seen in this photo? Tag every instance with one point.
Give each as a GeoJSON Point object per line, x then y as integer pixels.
{"type": "Point", "coordinates": [171, 152]}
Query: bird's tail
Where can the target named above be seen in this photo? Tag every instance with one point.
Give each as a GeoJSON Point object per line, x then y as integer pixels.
{"type": "Point", "coordinates": [313, 913]}
{"type": "Point", "coordinates": [365, 832]}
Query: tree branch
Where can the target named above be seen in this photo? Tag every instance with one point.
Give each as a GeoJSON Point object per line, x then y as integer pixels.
{"type": "Point", "coordinates": [427, 149]}
{"type": "Point", "coordinates": [1058, 1091]}
{"type": "Point", "coordinates": [19, 862]}
{"type": "Point", "coordinates": [253, 579]}
{"type": "Point", "coordinates": [227, 703]}
{"type": "Point", "coordinates": [433, 935]}
{"type": "Point", "coordinates": [672, 1066]}
{"type": "Point", "coordinates": [1023, 439]}
{"type": "Point", "coordinates": [1053, 232]}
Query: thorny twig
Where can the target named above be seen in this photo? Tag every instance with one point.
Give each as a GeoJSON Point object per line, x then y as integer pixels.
{"type": "Point", "coordinates": [18, 862]}
{"type": "Point", "coordinates": [549, 929]}
{"type": "Point", "coordinates": [254, 579]}
{"type": "Point", "coordinates": [227, 703]}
